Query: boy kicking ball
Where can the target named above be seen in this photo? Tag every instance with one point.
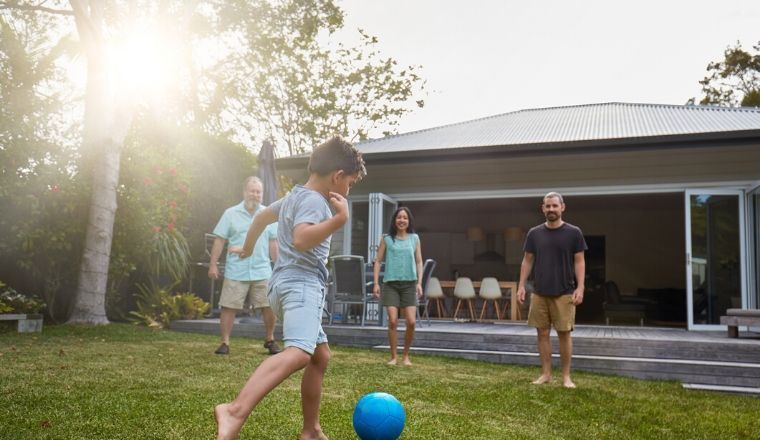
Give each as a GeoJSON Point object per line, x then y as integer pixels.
{"type": "Point", "coordinates": [297, 286]}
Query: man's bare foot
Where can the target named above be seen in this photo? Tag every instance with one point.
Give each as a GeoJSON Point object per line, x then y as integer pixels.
{"type": "Point", "coordinates": [407, 362]}
{"type": "Point", "coordinates": [392, 361]}
{"type": "Point", "coordinates": [227, 425]}
{"type": "Point", "coordinates": [567, 383]}
{"type": "Point", "coordinates": [542, 380]}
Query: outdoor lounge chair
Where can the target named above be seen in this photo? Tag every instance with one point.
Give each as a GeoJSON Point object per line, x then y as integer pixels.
{"type": "Point", "coordinates": [208, 244]}
{"type": "Point", "coordinates": [427, 271]}
{"type": "Point", "coordinates": [375, 312]}
{"type": "Point", "coordinates": [349, 286]}
{"type": "Point", "coordinates": [620, 306]}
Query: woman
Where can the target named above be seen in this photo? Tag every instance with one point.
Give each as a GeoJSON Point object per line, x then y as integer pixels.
{"type": "Point", "coordinates": [402, 281]}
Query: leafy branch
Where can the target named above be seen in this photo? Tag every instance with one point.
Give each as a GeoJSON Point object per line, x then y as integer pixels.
{"type": "Point", "coordinates": [735, 80]}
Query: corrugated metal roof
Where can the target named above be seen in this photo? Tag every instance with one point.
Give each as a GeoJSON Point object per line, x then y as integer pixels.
{"type": "Point", "coordinates": [569, 124]}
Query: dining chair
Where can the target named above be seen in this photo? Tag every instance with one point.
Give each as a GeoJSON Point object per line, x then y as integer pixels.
{"type": "Point", "coordinates": [434, 292]}
{"type": "Point", "coordinates": [464, 291]}
{"type": "Point", "coordinates": [520, 307]}
{"type": "Point", "coordinates": [490, 291]}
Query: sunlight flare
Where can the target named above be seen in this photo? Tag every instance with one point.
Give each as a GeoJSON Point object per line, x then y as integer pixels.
{"type": "Point", "coordinates": [142, 65]}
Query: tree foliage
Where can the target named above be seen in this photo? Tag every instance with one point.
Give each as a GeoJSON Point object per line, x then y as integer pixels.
{"type": "Point", "coordinates": [735, 80]}
{"type": "Point", "coordinates": [40, 224]}
{"type": "Point", "coordinates": [285, 83]}
{"type": "Point", "coordinates": [243, 71]}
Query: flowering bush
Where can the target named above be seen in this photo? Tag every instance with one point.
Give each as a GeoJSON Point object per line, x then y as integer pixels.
{"type": "Point", "coordinates": [14, 302]}
{"type": "Point", "coordinates": [154, 191]}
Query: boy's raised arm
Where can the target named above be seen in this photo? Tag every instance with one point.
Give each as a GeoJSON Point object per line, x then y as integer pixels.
{"type": "Point", "coordinates": [308, 235]}
{"type": "Point", "coordinates": [260, 222]}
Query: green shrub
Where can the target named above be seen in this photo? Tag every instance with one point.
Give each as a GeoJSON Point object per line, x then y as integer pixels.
{"type": "Point", "coordinates": [169, 253]}
{"type": "Point", "coordinates": [157, 307]}
{"type": "Point", "coordinates": [14, 302]}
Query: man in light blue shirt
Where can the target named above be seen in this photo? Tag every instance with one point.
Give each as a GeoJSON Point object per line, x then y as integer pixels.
{"type": "Point", "coordinates": [244, 278]}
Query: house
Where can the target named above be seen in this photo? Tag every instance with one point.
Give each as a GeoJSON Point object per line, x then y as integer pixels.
{"type": "Point", "coordinates": [667, 195]}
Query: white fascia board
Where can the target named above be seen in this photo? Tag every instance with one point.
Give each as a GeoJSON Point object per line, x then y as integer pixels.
{"type": "Point", "coordinates": [566, 191]}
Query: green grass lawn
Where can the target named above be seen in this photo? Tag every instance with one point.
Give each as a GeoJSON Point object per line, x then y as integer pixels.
{"type": "Point", "coordinates": [126, 382]}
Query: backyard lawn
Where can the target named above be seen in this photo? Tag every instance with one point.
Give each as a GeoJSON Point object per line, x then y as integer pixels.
{"type": "Point", "coordinates": [127, 382]}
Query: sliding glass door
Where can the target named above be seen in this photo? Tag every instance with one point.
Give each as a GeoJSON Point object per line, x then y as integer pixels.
{"type": "Point", "coordinates": [715, 255]}
{"type": "Point", "coordinates": [381, 207]}
{"type": "Point", "coordinates": [753, 218]}
{"type": "Point", "coordinates": [368, 220]}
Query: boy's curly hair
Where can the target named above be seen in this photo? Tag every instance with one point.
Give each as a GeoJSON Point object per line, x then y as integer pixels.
{"type": "Point", "coordinates": [336, 154]}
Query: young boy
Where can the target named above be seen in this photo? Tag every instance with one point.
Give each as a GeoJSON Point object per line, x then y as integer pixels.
{"type": "Point", "coordinates": [297, 286]}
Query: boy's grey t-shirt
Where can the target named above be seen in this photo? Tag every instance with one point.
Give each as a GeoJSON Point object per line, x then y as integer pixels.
{"type": "Point", "coordinates": [301, 205]}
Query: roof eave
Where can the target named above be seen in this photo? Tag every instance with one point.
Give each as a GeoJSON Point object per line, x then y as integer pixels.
{"type": "Point", "coordinates": [298, 163]}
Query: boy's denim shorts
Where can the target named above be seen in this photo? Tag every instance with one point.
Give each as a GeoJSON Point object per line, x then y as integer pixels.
{"type": "Point", "coordinates": [298, 303]}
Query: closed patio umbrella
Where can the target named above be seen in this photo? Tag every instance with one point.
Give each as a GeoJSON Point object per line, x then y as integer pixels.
{"type": "Point", "coordinates": [268, 173]}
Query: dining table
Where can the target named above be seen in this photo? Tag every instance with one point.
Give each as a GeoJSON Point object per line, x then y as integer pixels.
{"type": "Point", "coordinates": [512, 285]}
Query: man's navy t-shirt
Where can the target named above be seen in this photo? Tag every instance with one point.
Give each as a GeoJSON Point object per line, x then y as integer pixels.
{"type": "Point", "coordinates": [554, 263]}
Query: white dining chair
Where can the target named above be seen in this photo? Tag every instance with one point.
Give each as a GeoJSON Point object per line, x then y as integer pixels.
{"type": "Point", "coordinates": [490, 291]}
{"type": "Point", "coordinates": [435, 293]}
{"type": "Point", "coordinates": [464, 291]}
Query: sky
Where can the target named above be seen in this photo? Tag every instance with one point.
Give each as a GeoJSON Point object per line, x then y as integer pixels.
{"type": "Point", "coordinates": [486, 57]}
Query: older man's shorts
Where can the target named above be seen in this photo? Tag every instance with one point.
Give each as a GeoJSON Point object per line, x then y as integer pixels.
{"type": "Point", "coordinates": [298, 304]}
{"type": "Point", "coordinates": [547, 311]}
{"type": "Point", "coordinates": [235, 292]}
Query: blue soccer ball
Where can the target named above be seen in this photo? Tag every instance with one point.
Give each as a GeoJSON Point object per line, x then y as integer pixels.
{"type": "Point", "coordinates": [379, 416]}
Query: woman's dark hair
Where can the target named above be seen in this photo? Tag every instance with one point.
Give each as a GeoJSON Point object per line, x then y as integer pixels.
{"type": "Point", "coordinates": [392, 231]}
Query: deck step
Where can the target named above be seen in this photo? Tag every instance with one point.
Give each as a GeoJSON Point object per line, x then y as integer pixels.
{"type": "Point", "coordinates": [713, 373]}
{"type": "Point", "coordinates": [639, 348]}
{"type": "Point", "coordinates": [709, 359]}
{"type": "Point", "coordinates": [725, 389]}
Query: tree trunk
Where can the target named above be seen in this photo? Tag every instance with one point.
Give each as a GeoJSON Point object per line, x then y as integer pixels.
{"type": "Point", "coordinates": [90, 303]}
{"type": "Point", "coordinates": [106, 122]}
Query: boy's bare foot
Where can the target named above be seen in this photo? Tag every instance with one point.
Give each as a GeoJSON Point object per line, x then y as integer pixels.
{"type": "Point", "coordinates": [542, 380]}
{"type": "Point", "coordinates": [313, 435]}
{"type": "Point", "coordinates": [407, 362]}
{"type": "Point", "coordinates": [392, 361]}
{"type": "Point", "coordinates": [567, 383]}
{"type": "Point", "coordinates": [227, 425]}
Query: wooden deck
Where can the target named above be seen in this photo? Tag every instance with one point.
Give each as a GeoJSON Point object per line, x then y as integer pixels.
{"type": "Point", "coordinates": [695, 358]}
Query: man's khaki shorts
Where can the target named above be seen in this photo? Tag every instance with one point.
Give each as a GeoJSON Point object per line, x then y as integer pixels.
{"type": "Point", "coordinates": [234, 294]}
{"type": "Point", "coordinates": [546, 311]}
